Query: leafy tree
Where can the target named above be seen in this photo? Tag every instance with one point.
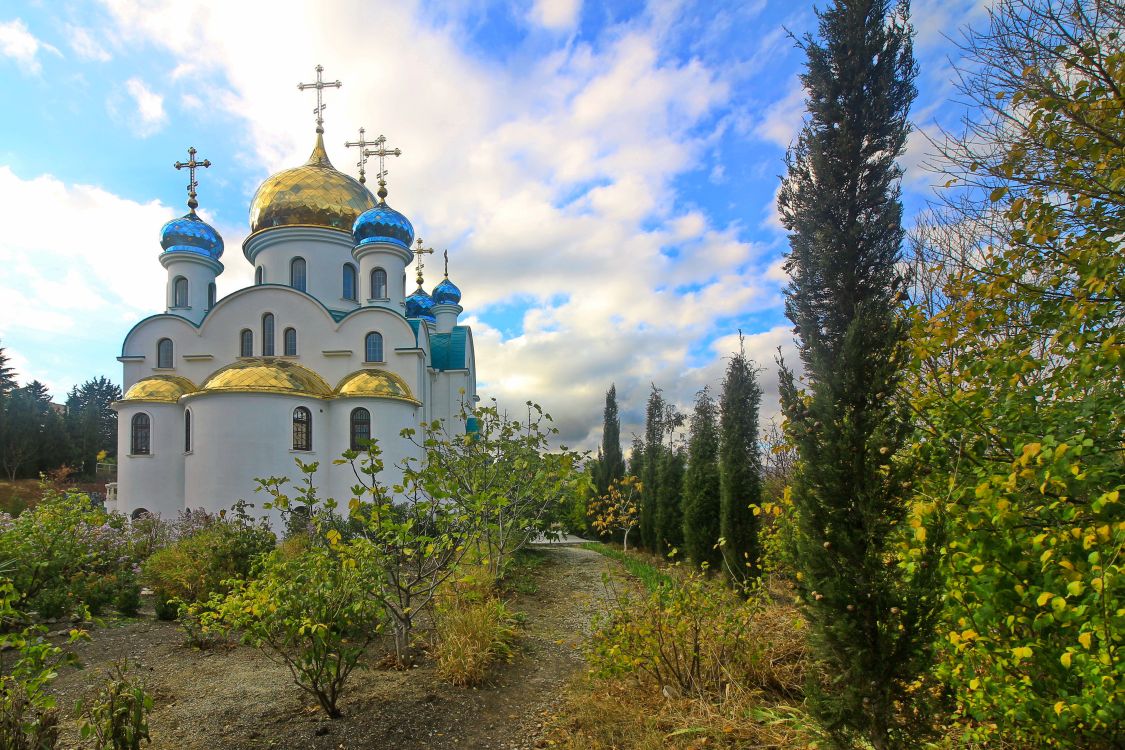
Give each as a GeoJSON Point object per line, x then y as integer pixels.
{"type": "Point", "coordinates": [650, 470]}
{"type": "Point", "coordinates": [636, 457]}
{"type": "Point", "coordinates": [702, 484]}
{"type": "Point", "coordinates": [669, 521]}
{"type": "Point", "coordinates": [7, 375]}
{"type": "Point", "coordinates": [740, 470]}
{"type": "Point", "coordinates": [31, 430]}
{"type": "Point", "coordinates": [1019, 381]}
{"type": "Point", "coordinates": [611, 461]}
{"type": "Point", "coordinates": [618, 509]}
{"type": "Point", "coordinates": [91, 422]}
{"type": "Point", "coordinates": [870, 614]}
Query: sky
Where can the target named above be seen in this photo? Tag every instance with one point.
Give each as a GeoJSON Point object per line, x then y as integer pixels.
{"type": "Point", "coordinates": [603, 174]}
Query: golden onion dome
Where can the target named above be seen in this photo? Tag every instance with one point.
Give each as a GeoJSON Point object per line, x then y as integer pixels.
{"type": "Point", "coordinates": [267, 375]}
{"type": "Point", "coordinates": [375, 383]}
{"type": "Point", "coordinates": [314, 194]}
{"type": "Point", "coordinates": [164, 389]}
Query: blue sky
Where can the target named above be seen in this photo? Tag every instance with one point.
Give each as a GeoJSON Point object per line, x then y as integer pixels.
{"type": "Point", "coordinates": [603, 174]}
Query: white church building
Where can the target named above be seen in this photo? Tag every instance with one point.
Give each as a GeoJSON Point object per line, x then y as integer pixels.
{"type": "Point", "coordinates": [325, 350]}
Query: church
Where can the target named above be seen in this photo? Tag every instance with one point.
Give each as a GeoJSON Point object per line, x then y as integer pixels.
{"type": "Point", "coordinates": [325, 350]}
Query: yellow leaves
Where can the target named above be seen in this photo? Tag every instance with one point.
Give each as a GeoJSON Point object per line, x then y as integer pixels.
{"type": "Point", "coordinates": [333, 537]}
{"type": "Point", "coordinates": [920, 533]}
{"type": "Point", "coordinates": [1085, 639]}
{"type": "Point", "coordinates": [1065, 659]}
{"type": "Point", "coordinates": [1044, 598]}
{"type": "Point", "coordinates": [1022, 652]}
{"type": "Point", "coordinates": [1060, 706]}
{"type": "Point", "coordinates": [1075, 588]}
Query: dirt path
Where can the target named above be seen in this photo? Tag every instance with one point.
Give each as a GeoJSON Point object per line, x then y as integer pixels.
{"type": "Point", "coordinates": [238, 699]}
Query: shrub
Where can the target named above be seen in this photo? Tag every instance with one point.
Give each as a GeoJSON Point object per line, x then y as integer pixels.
{"type": "Point", "coordinates": [167, 607]}
{"type": "Point", "coordinates": [116, 718]}
{"type": "Point", "coordinates": [197, 566]}
{"type": "Point", "coordinates": [127, 593]}
{"type": "Point", "coordinates": [202, 624]}
{"type": "Point", "coordinates": [472, 634]}
{"type": "Point", "coordinates": [313, 611]}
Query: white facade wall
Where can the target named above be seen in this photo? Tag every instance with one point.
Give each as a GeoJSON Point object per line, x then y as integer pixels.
{"type": "Point", "coordinates": [325, 252]}
{"type": "Point", "coordinates": [393, 260]}
{"type": "Point", "coordinates": [154, 482]}
{"type": "Point", "coordinates": [200, 273]}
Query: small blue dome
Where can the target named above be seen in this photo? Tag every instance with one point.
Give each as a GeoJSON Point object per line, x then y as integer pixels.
{"type": "Point", "coordinates": [420, 305]}
{"type": "Point", "coordinates": [383, 224]}
{"type": "Point", "coordinates": [191, 234]}
{"type": "Point", "coordinates": [446, 293]}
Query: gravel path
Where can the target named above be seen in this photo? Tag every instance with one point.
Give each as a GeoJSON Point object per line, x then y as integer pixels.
{"type": "Point", "coordinates": [239, 699]}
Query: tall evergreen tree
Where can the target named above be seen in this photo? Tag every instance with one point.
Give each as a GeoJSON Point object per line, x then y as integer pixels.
{"type": "Point", "coordinates": [91, 422]}
{"type": "Point", "coordinates": [670, 479]}
{"type": "Point", "coordinates": [637, 457]}
{"type": "Point", "coordinates": [650, 472]}
{"type": "Point", "coordinates": [871, 621]}
{"type": "Point", "coordinates": [7, 375]}
{"type": "Point", "coordinates": [701, 484]}
{"type": "Point", "coordinates": [740, 469]}
{"type": "Point", "coordinates": [611, 461]}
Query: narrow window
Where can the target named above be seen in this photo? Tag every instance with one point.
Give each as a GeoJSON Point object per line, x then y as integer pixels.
{"type": "Point", "coordinates": [302, 429]}
{"type": "Point", "coordinates": [210, 295]}
{"type": "Point", "coordinates": [140, 442]}
{"type": "Point", "coordinates": [349, 281]}
{"type": "Point", "coordinates": [267, 335]}
{"type": "Point", "coordinates": [361, 428]}
{"type": "Point", "coordinates": [373, 347]}
{"type": "Point", "coordinates": [378, 284]}
{"type": "Point", "coordinates": [259, 275]}
{"type": "Point", "coordinates": [246, 343]}
{"type": "Point", "coordinates": [179, 292]}
{"type": "Point", "coordinates": [297, 274]}
{"type": "Point", "coordinates": [187, 431]}
{"type": "Point", "coordinates": [290, 342]}
{"type": "Point", "coordinates": [164, 353]}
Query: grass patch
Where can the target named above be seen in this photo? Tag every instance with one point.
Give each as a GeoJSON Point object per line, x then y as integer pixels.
{"type": "Point", "coordinates": [520, 578]}
{"type": "Point", "coordinates": [650, 575]}
{"type": "Point", "coordinates": [471, 636]}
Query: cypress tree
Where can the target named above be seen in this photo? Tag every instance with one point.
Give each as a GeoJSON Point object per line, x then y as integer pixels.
{"type": "Point", "coordinates": [701, 484]}
{"type": "Point", "coordinates": [870, 621]}
{"type": "Point", "coordinates": [740, 469]}
{"type": "Point", "coordinates": [650, 472]}
{"type": "Point", "coordinates": [670, 478]}
{"type": "Point", "coordinates": [611, 461]}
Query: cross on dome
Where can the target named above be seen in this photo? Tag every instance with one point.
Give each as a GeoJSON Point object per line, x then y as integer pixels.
{"type": "Point", "coordinates": [191, 165]}
{"type": "Point", "coordinates": [382, 151]}
{"type": "Point", "coordinates": [320, 85]}
{"type": "Point", "coordinates": [418, 252]}
{"type": "Point", "coordinates": [363, 153]}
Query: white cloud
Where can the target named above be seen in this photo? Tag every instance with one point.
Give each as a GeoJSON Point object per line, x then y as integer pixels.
{"type": "Point", "coordinates": [22, 46]}
{"type": "Point", "coordinates": [558, 15]}
{"type": "Point", "coordinates": [782, 120]}
{"type": "Point", "coordinates": [150, 116]}
{"type": "Point", "coordinates": [84, 44]}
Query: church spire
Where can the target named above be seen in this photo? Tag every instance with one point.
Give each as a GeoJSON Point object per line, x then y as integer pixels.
{"type": "Point", "coordinates": [191, 164]}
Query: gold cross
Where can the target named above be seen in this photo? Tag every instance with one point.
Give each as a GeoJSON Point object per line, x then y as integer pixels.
{"type": "Point", "coordinates": [191, 165]}
{"type": "Point", "coordinates": [320, 85]}
{"type": "Point", "coordinates": [382, 152]}
{"type": "Point", "coordinates": [419, 251]}
{"type": "Point", "coordinates": [363, 154]}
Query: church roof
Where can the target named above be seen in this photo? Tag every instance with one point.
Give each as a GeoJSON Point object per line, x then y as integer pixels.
{"type": "Point", "coordinates": [267, 375]}
{"type": "Point", "coordinates": [375, 383]}
{"type": "Point", "coordinates": [448, 351]}
{"type": "Point", "coordinates": [162, 389]}
{"type": "Point", "coordinates": [313, 194]}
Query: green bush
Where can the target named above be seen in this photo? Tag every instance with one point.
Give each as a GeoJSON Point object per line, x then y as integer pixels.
{"type": "Point", "coordinates": [167, 607]}
{"type": "Point", "coordinates": [127, 594]}
{"type": "Point", "coordinates": [312, 609]}
{"type": "Point", "coordinates": [197, 566]}
{"type": "Point", "coordinates": [116, 718]}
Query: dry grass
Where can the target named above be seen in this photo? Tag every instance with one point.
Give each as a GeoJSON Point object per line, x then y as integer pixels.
{"type": "Point", "coordinates": [472, 633]}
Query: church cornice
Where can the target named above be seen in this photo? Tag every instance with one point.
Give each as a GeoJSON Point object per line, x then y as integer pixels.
{"type": "Point", "coordinates": [264, 238]}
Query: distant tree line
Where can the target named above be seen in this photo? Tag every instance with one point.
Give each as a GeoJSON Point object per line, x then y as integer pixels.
{"type": "Point", "coordinates": [36, 436]}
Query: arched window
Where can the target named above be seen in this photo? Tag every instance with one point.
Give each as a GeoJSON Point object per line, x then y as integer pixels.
{"type": "Point", "coordinates": [361, 428]}
{"type": "Point", "coordinates": [246, 343]}
{"type": "Point", "coordinates": [210, 295]}
{"type": "Point", "coordinates": [187, 431]}
{"type": "Point", "coordinates": [140, 513]}
{"type": "Point", "coordinates": [297, 274]}
{"type": "Point", "coordinates": [179, 292]}
{"type": "Point", "coordinates": [140, 444]}
{"type": "Point", "coordinates": [290, 342]}
{"type": "Point", "coordinates": [378, 284]}
{"type": "Point", "coordinates": [267, 335]}
{"type": "Point", "coordinates": [302, 429]}
{"type": "Point", "coordinates": [373, 347]}
{"type": "Point", "coordinates": [349, 281]}
{"type": "Point", "coordinates": [259, 275]}
{"type": "Point", "coordinates": [164, 353]}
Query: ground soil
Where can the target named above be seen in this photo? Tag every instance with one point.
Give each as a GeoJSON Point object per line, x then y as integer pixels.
{"type": "Point", "coordinates": [238, 699]}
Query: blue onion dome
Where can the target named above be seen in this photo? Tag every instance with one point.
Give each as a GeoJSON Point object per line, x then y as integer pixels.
{"type": "Point", "coordinates": [446, 293]}
{"type": "Point", "coordinates": [420, 305]}
{"type": "Point", "coordinates": [383, 224]}
{"type": "Point", "coordinates": [191, 234]}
